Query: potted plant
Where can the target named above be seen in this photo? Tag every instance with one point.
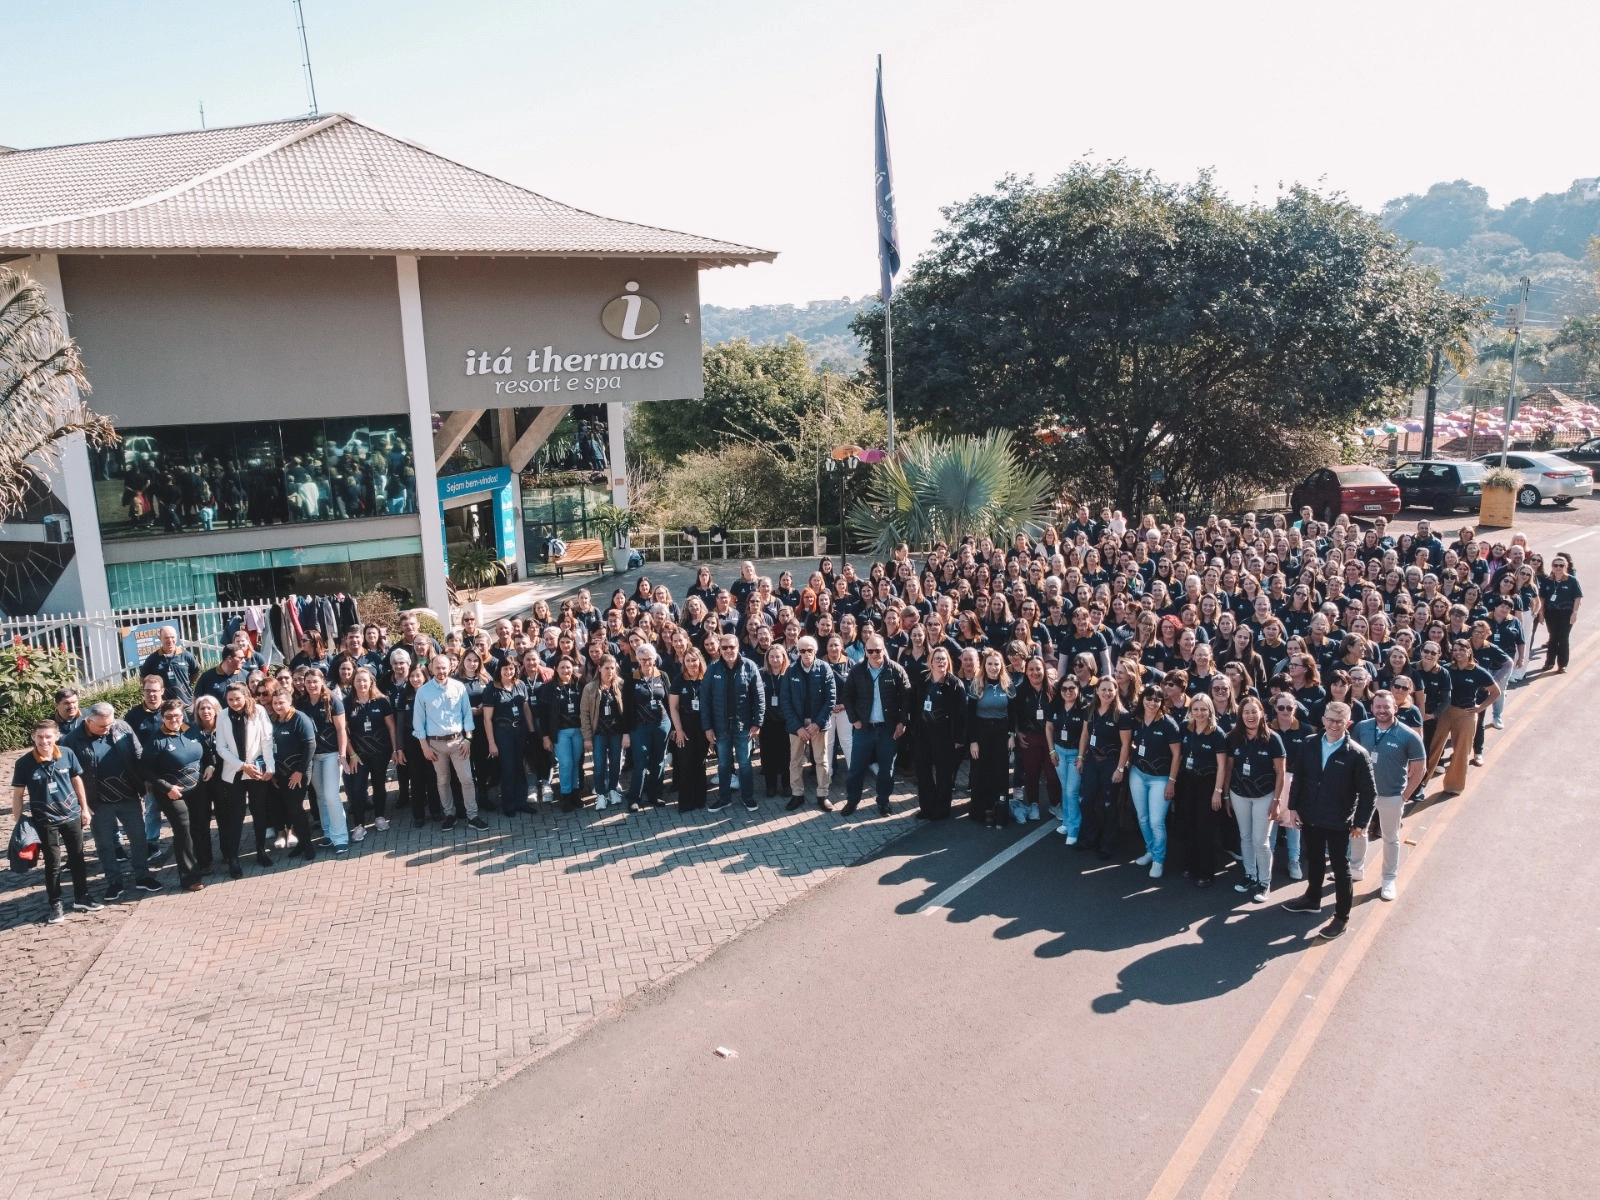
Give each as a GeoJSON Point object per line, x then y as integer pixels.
{"type": "Point", "coordinates": [614, 524]}
{"type": "Point", "coordinates": [1497, 507]}
{"type": "Point", "coordinates": [475, 567]}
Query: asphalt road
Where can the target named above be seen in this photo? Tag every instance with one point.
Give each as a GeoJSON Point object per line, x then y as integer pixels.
{"type": "Point", "coordinates": [1066, 1027]}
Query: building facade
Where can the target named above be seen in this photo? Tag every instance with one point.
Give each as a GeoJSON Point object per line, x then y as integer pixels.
{"type": "Point", "coordinates": [331, 356]}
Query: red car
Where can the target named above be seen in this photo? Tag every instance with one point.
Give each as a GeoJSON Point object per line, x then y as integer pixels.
{"type": "Point", "coordinates": [1356, 491]}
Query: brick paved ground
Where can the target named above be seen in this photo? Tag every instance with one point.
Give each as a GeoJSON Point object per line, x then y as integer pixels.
{"type": "Point", "coordinates": [244, 1041]}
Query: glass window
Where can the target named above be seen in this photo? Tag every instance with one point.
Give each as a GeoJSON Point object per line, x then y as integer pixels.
{"type": "Point", "coordinates": [183, 479]}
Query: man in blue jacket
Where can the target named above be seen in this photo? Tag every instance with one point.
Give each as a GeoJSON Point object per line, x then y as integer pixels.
{"type": "Point", "coordinates": [735, 702]}
{"type": "Point", "coordinates": [807, 701]}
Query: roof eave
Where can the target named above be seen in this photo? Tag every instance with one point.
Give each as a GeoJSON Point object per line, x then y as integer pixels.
{"type": "Point", "coordinates": [706, 259]}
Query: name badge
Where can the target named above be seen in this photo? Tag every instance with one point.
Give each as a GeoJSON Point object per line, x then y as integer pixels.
{"type": "Point", "coordinates": [1244, 769]}
{"type": "Point", "coordinates": [1094, 740]}
{"type": "Point", "coordinates": [927, 705]}
{"type": "Point", "coordinates": [694, 703]}
{"type": "Point", "coordinates": [572, 708]}
{"type": "Point", "coordinates": [1144, 750]}
{"type": "Point", "coordinates": [772, 702]}
{"type": "Point", "coordinates": [1189, 762]}
{"type": "Point", "coordinates": [1038, 714]}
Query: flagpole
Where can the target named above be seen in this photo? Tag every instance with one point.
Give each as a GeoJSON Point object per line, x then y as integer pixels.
{"type": "Point", "coordinates": [888, 365]}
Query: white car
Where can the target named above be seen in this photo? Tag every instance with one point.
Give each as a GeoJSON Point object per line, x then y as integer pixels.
{"type": "Point", "coordinates": [1544, 476]}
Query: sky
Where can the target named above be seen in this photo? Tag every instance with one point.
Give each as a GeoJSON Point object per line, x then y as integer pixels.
{"type": "Point", "coordinates": [752, 121]}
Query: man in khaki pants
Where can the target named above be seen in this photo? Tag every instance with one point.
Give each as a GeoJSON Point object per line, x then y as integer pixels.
{"type": "Point", "coordinates": [807, 699]}
{"type": "Point", "coordinates": [442, 723]}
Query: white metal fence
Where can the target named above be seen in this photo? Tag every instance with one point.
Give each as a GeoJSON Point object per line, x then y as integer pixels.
{"type": "Point", "coordinates": [104, 642]}
{"type": "Point", "coordinates": [672, 545]}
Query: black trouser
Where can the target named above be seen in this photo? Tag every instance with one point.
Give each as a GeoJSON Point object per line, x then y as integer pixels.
{"type": "Point", "coordinates": [256, 794]}
{"type": "Point", "coordinates": [53, 838]}
{"type": "Point", "coordinates": [775, 754]}
{"type": "Point", "coordinates": [1197, 824]}
{"type": "Point", "coordinates": [689, 768]}
{"type": "Point", "coordinates": [1097, 800]}
{"type": "Point", "coordinates": [420, 782]}
{"type": "Point", "coordinates": [1558, 642]}
{"type": "Point", "coordinates": [203, 803]}
{"type": "Point", "coordinates": [103, 822]}
{"type": "Point", "coordinates": [1333, 845]}
{"type": "Point", "coordinates": [936, 771]}
{"type": "Point", "coordinates": [508, 741]}
{"type": "Point", "coordinates": [991, 770]}
{"type": "Point", "coordinates": [177, 814]}
{"type": "Point", "coordinates": [292, 809]}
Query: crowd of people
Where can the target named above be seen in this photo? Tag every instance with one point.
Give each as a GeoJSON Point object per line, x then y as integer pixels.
{"type": "Point", "coordinates": [1219, 685]}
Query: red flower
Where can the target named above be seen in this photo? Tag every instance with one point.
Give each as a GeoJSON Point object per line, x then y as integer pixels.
{"type": "Point", "coordinates": [22, 665]}
{"type": "Point", "coordinates": [16, 639]}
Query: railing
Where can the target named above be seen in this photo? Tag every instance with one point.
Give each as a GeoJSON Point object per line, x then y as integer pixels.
{"type": "Point", "coordinates": [672, 545]}
{"type": "Point", "coordinates": [100, 641]}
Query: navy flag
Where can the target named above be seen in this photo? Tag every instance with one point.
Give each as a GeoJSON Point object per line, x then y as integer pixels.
{"type": "Point", "coordinates": [888, 231]}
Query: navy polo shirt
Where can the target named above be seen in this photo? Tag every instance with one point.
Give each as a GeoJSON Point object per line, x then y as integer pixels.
{"type": "Point", "coordinates": [51, 797]}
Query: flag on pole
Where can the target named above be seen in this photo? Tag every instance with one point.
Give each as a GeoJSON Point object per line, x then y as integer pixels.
{"type": "Point", "coordinates": [888, 231]}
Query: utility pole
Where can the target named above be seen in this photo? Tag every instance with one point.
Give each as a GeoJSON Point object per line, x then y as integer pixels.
{"type": "Point", "coordinates": [1516, 316]}
{"type": "Point", "coordinates": [305, 55]}
{"type": "Point", "coordinates": [1433, 402]}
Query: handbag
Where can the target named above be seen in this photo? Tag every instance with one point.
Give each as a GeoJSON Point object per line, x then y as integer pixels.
{"type": "Point", "coordinates": [24, 848]}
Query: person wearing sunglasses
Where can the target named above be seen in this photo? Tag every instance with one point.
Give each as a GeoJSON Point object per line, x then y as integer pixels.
{"type": "Point", "coordinates": [1562, 597]}
{"type": "Point", "coordinates": [877, 700]}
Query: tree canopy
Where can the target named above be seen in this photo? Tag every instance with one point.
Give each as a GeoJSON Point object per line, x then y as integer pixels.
{"type": "Point", "coordinates": [1160, 329]}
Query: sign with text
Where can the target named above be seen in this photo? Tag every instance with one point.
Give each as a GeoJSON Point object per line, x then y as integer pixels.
{"type": "Point", "coordinates": [515, 333]}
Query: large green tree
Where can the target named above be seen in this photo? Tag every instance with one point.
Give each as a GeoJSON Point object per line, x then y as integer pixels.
{"type": "Point", "coordinates": [1180, 341]}
{"type": "Point", "coordinates": [759, 392]}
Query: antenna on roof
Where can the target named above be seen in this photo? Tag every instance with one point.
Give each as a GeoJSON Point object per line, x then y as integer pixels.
{"type": "Point", "coordinates": [202, 114]}
{"type": "Point", "coordinates": [305, 52]}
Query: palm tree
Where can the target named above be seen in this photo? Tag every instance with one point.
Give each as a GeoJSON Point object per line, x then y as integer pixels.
{"type": "Point", "coordinates": [943, 489]}
{"type": "Point", "coordinates": [42, 385]}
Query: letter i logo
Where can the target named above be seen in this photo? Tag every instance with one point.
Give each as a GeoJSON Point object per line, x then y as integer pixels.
{"type": "Point", "coordinates": [631, 317]}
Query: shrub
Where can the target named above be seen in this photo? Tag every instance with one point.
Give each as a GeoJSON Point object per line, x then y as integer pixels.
{"type": "Point", "coordinates": [31, 674]}
{"type": "Point", "coordinates": [17, 723]}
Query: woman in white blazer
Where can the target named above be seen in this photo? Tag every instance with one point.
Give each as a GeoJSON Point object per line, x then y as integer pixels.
{"type": "Point", "coordinates": [244, 743]}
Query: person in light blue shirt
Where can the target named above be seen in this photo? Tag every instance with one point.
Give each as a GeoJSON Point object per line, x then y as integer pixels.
{"type": "Point", "coordinates": [442, 723]}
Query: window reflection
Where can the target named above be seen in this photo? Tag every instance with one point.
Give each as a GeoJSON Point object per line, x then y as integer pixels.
{"type": "Point", "coordinates": [178, 479]}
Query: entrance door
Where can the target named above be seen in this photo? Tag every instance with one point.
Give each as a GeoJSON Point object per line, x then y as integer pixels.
{"type": "Point", "coordinates": [470, 525]}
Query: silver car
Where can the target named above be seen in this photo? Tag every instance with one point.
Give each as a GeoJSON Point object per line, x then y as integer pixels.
{"type": "Point", "coordinates": [1545, 476]}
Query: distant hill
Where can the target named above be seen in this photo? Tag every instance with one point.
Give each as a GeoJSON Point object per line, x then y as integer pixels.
{"type": "Point", "coordinates": [1485, 251]}
{"type": "Point", "coordinates": [823, 325]}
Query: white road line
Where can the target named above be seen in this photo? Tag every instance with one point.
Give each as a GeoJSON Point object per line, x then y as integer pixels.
{"type": "Point", "coordinates": [1577, 537]}
{"type": "Point", "coordinates": [943, 899]}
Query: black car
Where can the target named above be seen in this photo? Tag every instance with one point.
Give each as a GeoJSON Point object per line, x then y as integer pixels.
{"type": "Point", "coordinates": [1587, 453]}
{"type": "Point", "coordinates": [1439, 484]}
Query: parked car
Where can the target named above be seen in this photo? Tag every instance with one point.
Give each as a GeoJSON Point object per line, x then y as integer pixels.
{"type": "Point", "coordinates": [1440, 484]}
{"type": "Point", "coordinates": [1545, 476]}
{"type": "Point", "coordinates": [1355, 491]}
{"type": "Point", "coordinates": [1587, 453]}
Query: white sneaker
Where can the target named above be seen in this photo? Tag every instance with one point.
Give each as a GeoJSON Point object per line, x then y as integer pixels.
{"type": "Point", "coordinates": [1295, 872]}
{"type": "Point", "coordinates": [1387, 891]}
{"type": "Point", "coordinates": [546, 795]}
{"type": "Point", "coordinates": [601, 799]}
{"type": "Point", "coordinates": [1155, 870]}
{"type": "Point", "coordinates": [1499, 724]}
{"type": "Point", "coordinates": [280, 842]}
{"type": "Point", "coordinates": [382, 825]}
{"type": "Point", "coordinates": [1261, 895]}
{"type": "Point", "coordinates": [1144, 860]}
{"type": "Point", "coordinates": [1357, 874]}
{"type": "Point", "coordinates": [292, 842]}
{"type": "Point", "coordinates": [1071, 841]}
{"type": "Point", "coordinates": [358, 834]}
{"type": "Point", "coordinates": [616, 797]}
{"type": "Point", "coordinates": [1055, 810]}
{"type": "Point", "coordinates": [1033, 812]}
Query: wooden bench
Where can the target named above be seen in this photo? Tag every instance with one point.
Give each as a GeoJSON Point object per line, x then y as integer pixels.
{"type": "Point", "coordinates": [584, 552]}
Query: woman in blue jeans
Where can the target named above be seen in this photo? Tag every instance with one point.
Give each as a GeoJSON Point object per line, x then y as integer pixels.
{"type": "Point", "coordinates": [647, 721]}
{"type": "Point", "coordinates": [1066, 731]}
{"type": "Point", "coordinates": [563, 728]}
{"type": "Point", "coordinates": [603, 730]}
{"type": "Point", "coordinates": [1153, 781]}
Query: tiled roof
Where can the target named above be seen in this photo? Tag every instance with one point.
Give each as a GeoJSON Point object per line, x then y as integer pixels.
{"type": "Point", "coordinates": [324, 185]}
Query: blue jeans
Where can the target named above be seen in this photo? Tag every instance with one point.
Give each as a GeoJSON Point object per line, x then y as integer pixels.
{"type": "Point", "coordinates": [1150, 804]}
{"type": "Point", "coordinates": [1067, 775]}
{"type": "Point", "coordinates": [607, 762]}
{"type": "Point", "coordinates": [152, 820]}
{"type": "Point", "coordinates": [569, 757]}
{"type": "Point", "coordinates": [649, 745]}
{"type": "Point", "coordinates": [325, 779]}
{"type": "Point", "coordinates": [872, 743]}
{"type": "Point", "coordinates": [729, 744]}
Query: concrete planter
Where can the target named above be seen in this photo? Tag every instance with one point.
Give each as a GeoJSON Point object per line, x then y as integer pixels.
{"type": "Point", "coordinates": [1498, 508]}
{"type": "Point", "coordinates": [620, 556]}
